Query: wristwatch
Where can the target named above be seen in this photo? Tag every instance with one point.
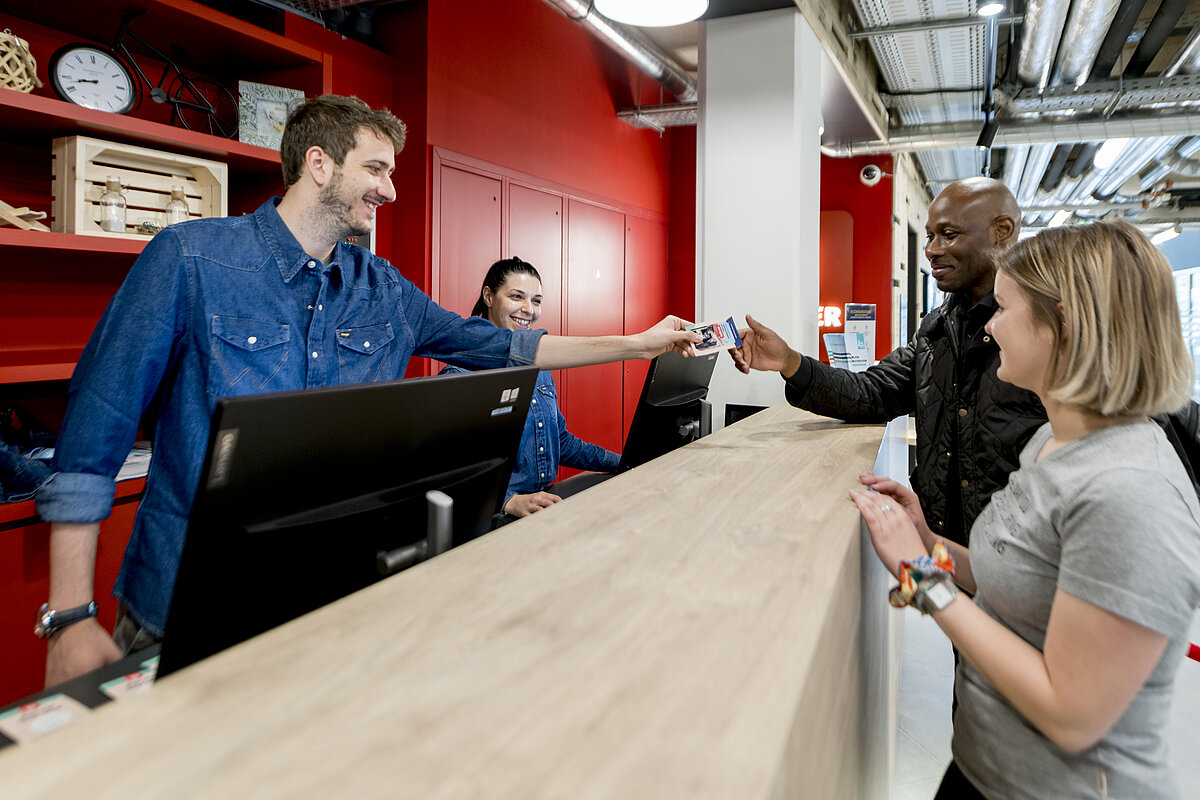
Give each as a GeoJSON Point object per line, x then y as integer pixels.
{"type": "Point", "coordinates": [51, 622]}
{"type": "Point", "coordinates": [935, 595]}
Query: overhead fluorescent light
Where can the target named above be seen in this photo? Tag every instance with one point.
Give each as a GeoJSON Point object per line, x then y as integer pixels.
{"type": "Point", "coordinates": [652, 13]}
{"type": "Point", "coordinates": [1165, 235]}
{"type": "Point", "coordinates": [1061, 216]}
{"type": "Point", "coordinates": [1108, 152]}
{"type": "Point", "coordinates": [990, 9]}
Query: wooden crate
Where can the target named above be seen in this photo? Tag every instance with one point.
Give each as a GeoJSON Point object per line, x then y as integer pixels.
{"type": "Point", "coordinates": [82, 165]}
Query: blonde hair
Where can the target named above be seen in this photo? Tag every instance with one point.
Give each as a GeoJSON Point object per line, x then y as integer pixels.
{"type": "Point", "coordinates": [1109, 297]}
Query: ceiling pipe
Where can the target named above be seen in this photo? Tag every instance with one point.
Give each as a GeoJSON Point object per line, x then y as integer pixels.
{"type": "Point", "coordinates": [1178, 161]}
{"type": "Point", "coordinates": [632, 46]}
{"type": "Point", "coordinates": [1058, 164]}
{"type": "Point", "coordinates": [1114, 41]}
{"type": "Point", "coordinates": [1132, 159]}
{"type": "Point", "coordinates": [932, 25]}
{"type": "Point", "coordinates": [1035, 167]}
{"type": "Point", "coordinates": [1161, 26]}
{"type": "Point", "coordinates": [1083, 159]}
{"type": "Point", "coordinates": [1044, 21]}
{"type": "Point", "coordinates": [1188, 57]}
{"type": "Point", "coordinates": [957, 135]}
{"type": "Point", "coordinates": [1081, 39]}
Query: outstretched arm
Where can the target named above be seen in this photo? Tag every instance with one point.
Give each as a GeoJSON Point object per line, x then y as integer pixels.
{"type": "Point", "coordinates": [765, 350]}
{"type": "Point", "coordinates": [560, 352]}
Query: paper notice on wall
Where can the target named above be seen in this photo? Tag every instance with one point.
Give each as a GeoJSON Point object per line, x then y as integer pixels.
{"type": "Point", "coordinates": [860, 319]}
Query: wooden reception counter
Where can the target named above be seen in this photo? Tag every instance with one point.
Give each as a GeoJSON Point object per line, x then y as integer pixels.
{"type": "Point", "coordinates": [702, 627]}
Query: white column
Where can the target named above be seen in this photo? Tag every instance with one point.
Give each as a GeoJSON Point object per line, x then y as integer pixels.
{"type": "Point", "coordinates": [758, 187]}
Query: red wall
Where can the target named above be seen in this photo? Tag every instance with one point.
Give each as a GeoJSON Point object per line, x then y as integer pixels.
{"type": "Point", "coordinates": [871, 257]}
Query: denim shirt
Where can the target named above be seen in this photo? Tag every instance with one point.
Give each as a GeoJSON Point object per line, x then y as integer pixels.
{"type": "Point", "coordinates": [546, 443]}
{"type": "Point", "coordinates": [223, 307]}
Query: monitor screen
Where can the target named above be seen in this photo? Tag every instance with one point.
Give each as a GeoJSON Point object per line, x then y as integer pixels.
{"type": "Point", "coordinates": [304, 494]}
{"type": "Point", "coordinates": [672, 409]}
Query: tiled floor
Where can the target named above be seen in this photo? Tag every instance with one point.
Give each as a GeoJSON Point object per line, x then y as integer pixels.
{"type": "Point", "coordinates": [923, 739]}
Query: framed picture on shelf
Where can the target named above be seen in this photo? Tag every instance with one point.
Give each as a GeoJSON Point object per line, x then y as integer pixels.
{"type": "Point", "coordinates": [263, 111]}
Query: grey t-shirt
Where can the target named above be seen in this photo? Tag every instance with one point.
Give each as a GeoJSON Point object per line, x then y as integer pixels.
{"type": "Point", "coordinates": [1111, 519]}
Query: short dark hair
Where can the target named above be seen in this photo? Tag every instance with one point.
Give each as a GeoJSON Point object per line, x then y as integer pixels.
{"type": "Point", "coordinates": [497, 274]}
{"type": "Point", "coordinates": [332, 122]}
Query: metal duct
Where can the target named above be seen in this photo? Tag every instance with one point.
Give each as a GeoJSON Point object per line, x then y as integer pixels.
{"type": "Point", "coordinates": [1114, 41]}
{"type": "Point", "coordinates": [1161, 25]}
{"type": "Point", "coordinates": [1178, 160]}
{"type": "Point", "coordinates": [959, 135]}
{"type": "Point", "coordinates": [1083, 159]}
{"type": "Point", "coordinates": [1044, 20]}
{"type": "Point", "coordinates": [1035, 166]}
{"type": "Point", "coordinates": [1058, 163]}
{"type": "Point", "coordinates": [633, 46]}
{"type": "Point", "coordinates": [1134, 157]}
{"type": "Point", "coordinates": [1015, 165]}
{"type": "Point", "coordinates": [1086, 26]}
{"type": "Point", "coordinates": [1188, 57]}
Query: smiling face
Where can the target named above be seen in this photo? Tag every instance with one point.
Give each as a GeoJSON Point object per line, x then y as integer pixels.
{"type": "Point", "coordinates": [517, 304]}
{"type": "Point", "coordinates": [1026, 344]}
{"type": "Point", "coordinates": [970, 223]}
{"type": "Point", "coordinates": [360, 185]}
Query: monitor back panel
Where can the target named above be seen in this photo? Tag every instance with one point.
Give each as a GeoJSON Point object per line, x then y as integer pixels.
{"type": "Point", "coordinates": [301, 490]}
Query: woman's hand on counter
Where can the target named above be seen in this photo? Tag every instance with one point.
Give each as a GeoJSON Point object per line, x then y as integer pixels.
{"type": "Point", "coordinates": [522, 505]}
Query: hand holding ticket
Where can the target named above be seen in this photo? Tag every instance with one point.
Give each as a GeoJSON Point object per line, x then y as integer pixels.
{"type": "Point", "coordinates": [716, 336]}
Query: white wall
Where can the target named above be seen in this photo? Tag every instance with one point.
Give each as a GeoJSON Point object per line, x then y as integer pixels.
{"type": "Point", "coordinates": [758, 187]}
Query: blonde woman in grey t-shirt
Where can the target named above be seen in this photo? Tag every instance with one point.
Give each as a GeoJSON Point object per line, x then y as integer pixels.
{"type": "Point", "coordinates": [1085, 569]}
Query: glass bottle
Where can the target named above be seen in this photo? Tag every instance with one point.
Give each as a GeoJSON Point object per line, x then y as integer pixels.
{"type": "Point", "coordinates": [112, 207]}
{"type": "Point", "coordinates": [177, 207]}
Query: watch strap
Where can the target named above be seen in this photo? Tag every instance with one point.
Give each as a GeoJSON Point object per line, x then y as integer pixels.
{"type": "Point", "coordinates": [50, 622]}
{"type": "Point", "coordinates": [935, 594]}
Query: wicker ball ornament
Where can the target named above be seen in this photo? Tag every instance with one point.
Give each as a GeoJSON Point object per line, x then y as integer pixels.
{"type": "Point", "coordinates": [18, 70]}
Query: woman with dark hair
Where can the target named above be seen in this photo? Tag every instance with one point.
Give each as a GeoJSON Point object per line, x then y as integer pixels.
{"type": "Point", "coordinates": [1085, 568]}
{"type": "Point", "coordinates": [511, 297]}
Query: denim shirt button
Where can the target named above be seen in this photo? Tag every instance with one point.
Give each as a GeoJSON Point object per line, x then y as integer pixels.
{"type": "Point", "coordinates": [541, 449]}
{"type": "Point", "coordinates": [311, 264]}
{"type": "Point", "coordinates": [314, 353]}
{"type": "Point", "coordinates": [366, 344]}
{"type": "Point", "coordinates": [539, 424]}
{"type": "Point", "coordinates": [252, 340]}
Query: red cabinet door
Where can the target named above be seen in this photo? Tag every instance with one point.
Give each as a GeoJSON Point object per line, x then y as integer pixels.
{"type": "Point", "coordinates": [646, 297]}
{"type": "Point", "coordinates": [595, 289]}
{"type": "Point", "coordinates": [468, 237]}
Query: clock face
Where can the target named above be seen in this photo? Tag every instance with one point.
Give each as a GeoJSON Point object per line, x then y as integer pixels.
{"type": "Point", "coordinates": [92, 78]}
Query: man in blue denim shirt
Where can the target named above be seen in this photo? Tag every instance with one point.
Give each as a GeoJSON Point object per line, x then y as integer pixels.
{"type": "Point", "coordinates": [265, 302]}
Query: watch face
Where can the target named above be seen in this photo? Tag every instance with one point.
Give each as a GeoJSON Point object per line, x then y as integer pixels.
{"type": "Point", "coordinates": [93, 78]}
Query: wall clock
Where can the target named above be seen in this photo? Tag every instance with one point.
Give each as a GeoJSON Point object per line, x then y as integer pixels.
{"type": "Point", "coordinates": [94, 78]}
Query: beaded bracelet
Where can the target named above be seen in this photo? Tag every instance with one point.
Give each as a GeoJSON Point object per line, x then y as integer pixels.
{"type": "Point", "coordinates": [917, 571]}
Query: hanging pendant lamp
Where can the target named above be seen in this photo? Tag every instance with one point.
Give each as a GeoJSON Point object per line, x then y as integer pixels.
{"type": "Point", "coordinates": [652, 13]}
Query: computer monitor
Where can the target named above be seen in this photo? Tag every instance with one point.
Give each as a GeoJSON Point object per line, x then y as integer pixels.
{"type": "Point", "coordinates": [672, 409]}
{"type": "Point", "coordinates": [308, 496]}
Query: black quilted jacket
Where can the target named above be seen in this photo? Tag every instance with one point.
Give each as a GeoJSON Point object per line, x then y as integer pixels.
{"type": "Point", "coordinates": [963, 412]}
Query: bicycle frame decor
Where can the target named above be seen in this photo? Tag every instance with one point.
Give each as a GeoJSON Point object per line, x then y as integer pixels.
{"type": "Point", "coordinates": [263, 111]}
{"type": "Point", "coordinates": [109, 78]}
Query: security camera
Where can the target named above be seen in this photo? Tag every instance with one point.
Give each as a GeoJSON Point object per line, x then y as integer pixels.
{"type": "Point", "coordinates": [870, 175]}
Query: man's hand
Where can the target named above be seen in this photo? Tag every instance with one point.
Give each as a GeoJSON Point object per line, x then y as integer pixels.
{"type": "Point", "coordinates": [522, 505]}
{"type": "Point", "coordinates": [764, 349]}
{"type": "Point", "coordinates": [671, 333]}
{"type": "Point", "coordinates": [77, 649]}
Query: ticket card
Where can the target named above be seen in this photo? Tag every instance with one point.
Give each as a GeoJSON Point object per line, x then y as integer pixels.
{"type": "Point", "coordinates": [717, 336]}
{"type": "Point", "coordinates": [40, 717]}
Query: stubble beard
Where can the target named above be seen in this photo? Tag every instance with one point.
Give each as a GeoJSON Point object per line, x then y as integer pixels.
{"type": "Point", "coordinates": [338, 212]}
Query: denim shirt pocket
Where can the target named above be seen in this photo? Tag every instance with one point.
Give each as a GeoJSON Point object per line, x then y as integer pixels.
{"type": "Point", "coordinates": [362, 351]}
{"type": "Point", "coordinates": [247, 354]}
